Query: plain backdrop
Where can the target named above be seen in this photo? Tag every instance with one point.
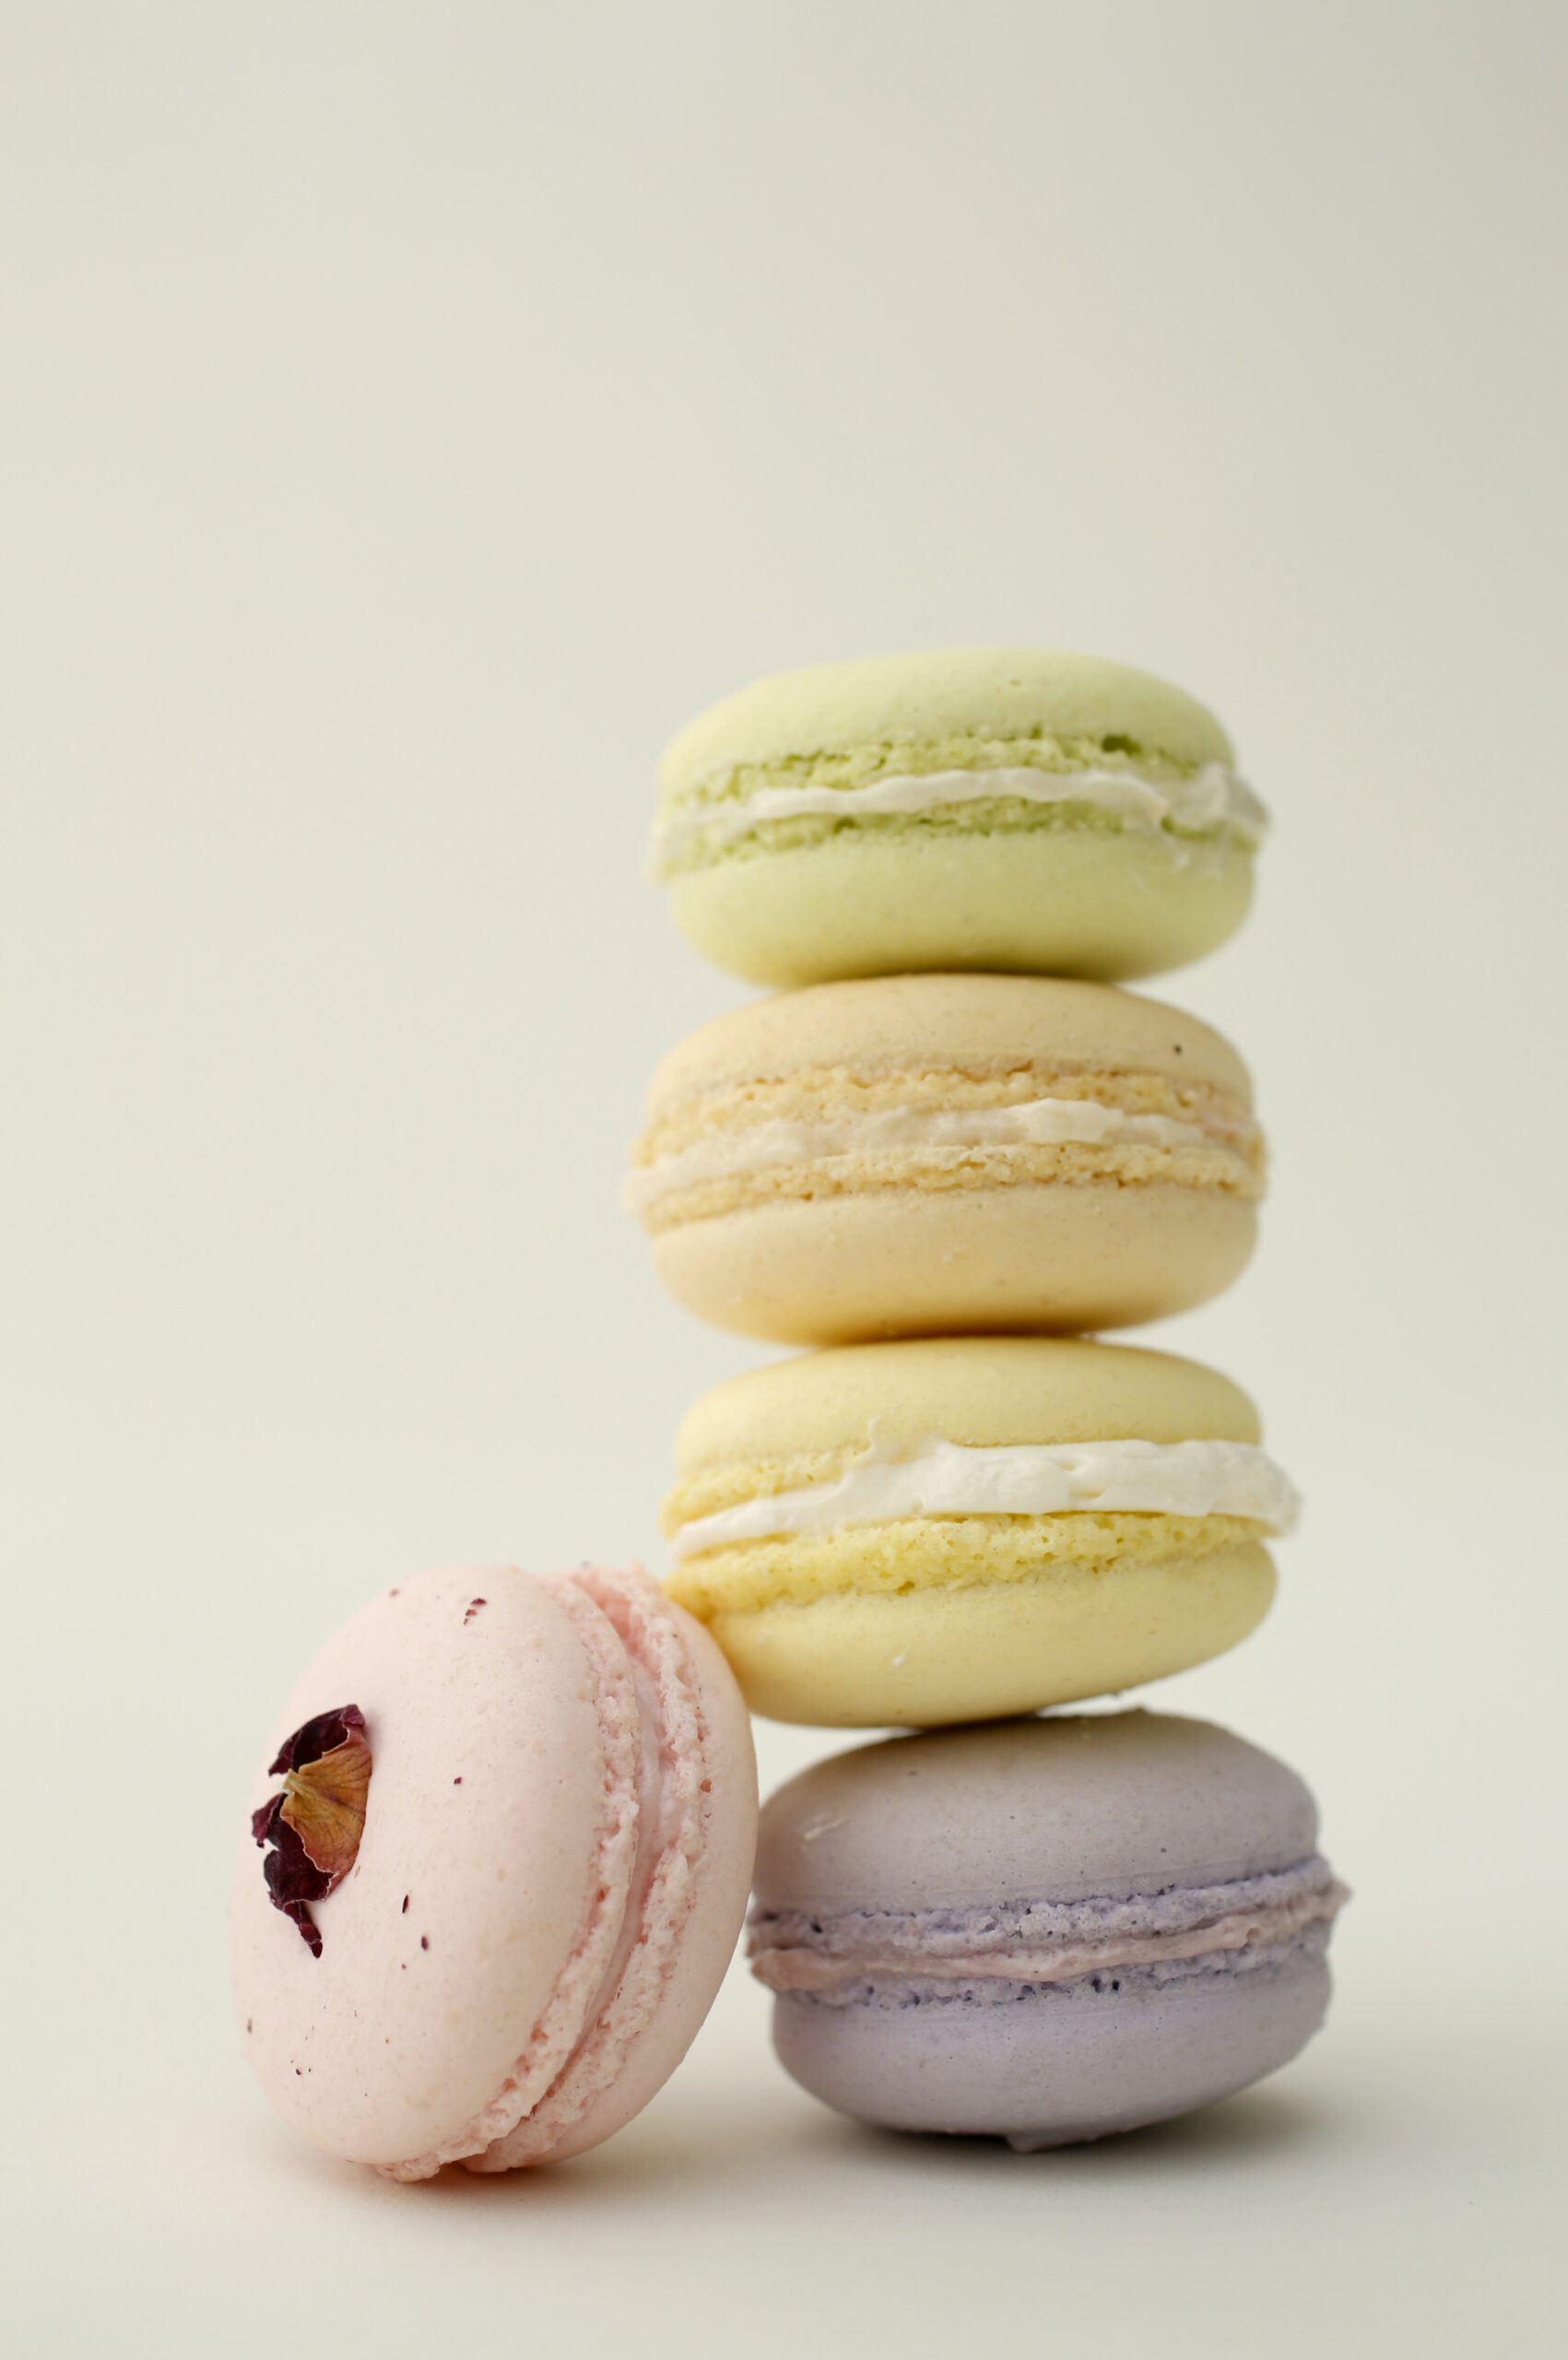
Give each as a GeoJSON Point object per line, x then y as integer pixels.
{"type": "Point", "coordinates": [413, 414]}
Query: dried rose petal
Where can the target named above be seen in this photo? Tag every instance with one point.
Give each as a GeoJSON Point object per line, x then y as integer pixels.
{"type": "Point", "coordinates": [316, 1738]}
{"type": "Point", "coordinates": [316, 1822]}
{"type": "Point", "coordinates": [325, 1805]}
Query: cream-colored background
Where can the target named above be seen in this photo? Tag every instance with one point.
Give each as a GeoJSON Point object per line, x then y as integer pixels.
{"type": "Point", "coordinates": [414, 415]}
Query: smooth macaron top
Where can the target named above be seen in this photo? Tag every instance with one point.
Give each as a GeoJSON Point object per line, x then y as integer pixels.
{"type": "Point", "coordinates": [975, 1024]}
{"type": "Point", "coordinates": [976, 1391]}
{"type": "Point", "coordinates": [1065, 1808]}
{"type": "Point", "coordinates": [1004, 693]}
{"type": "Point", "coordinates": [442, 1947]}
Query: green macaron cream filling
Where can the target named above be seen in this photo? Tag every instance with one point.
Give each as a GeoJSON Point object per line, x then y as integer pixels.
{"type": "Point", "coordinates": [996, 810]}
{"type": "Point", "coordinates": [744, 809]}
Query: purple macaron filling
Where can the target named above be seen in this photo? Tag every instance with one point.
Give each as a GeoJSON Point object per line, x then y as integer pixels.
{"type": "Point", "coordinates": [997, 1991]}
{"type": "Point", "coordinates": [991, 1954]}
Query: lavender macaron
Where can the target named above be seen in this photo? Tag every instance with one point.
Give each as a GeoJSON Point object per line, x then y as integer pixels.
{"type": "Point", "coordinates": [1046, 1930]}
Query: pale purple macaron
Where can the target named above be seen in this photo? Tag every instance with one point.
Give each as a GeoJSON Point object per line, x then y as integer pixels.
{"type": "Point", "coordinates": [496, 1869]}
{"type": "Point", "coordinates": [1042, 1929]}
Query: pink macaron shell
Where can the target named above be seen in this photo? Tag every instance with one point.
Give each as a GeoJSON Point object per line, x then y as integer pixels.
{"type": "Point", "coordinates": [613, 1876]}
{"type": "Point", "coordinates": [557, 1839]}
{"type": "Point", "coordinates": [488, 1830]}
{"type": "Point", "coordinates": [695, 1900]}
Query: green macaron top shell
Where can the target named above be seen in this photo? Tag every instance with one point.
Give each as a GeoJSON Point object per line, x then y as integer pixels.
{"type": "Point", "coordinates": [1006, 695]}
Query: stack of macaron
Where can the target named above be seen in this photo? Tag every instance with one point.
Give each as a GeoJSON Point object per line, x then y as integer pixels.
{"type": "Point", "coordinates": [498, 1859]}
{"type": "Point", "coordinates": [945, 1154]}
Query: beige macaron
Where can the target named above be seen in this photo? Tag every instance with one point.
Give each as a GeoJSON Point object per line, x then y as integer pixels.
{"type": "Point", "coordinates": [947, 1155]}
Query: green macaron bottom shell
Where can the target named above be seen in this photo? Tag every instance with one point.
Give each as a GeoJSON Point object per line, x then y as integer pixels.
{"type": "Point", "coordinates": [1062, 892]}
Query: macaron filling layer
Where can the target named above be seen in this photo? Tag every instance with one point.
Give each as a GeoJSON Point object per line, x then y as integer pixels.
{"type": "Point", "coordinates": [844, 1957]}
{"type": "Point", "coordinates": [989, 1143]}
{"type": "Point", "coordinates": [990, 786]}
{"type": "Point", "coordinates": [1196, 1478]}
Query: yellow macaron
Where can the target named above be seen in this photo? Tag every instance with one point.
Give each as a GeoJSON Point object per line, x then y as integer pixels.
{"type": "Point", "coordinates": [912, 1534]}
{"type": "Point", "coordinates": [919, 1155]}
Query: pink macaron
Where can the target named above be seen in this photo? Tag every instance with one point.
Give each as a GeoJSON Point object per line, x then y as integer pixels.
{"type": "Point", "coordinates": [496, 1869]}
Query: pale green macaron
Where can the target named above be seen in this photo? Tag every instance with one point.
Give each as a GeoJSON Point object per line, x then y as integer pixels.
{"type": "Point", "coordinates": [1012, 810]}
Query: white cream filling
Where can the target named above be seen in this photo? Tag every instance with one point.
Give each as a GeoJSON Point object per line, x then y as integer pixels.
{"type": "Point", "coordinates": [1215, 796]}
{"type": "Point", "coordinates": [1025, 1479]}
{"type": "Point", "coordinates": [1039, 1122]}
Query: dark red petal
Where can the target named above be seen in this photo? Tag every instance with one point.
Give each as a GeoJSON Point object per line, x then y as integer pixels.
{"type": "Point", "coordinates": [305, 1922]}
{"type": "Point", "coordinates": [292, 1875]}
{"type": "Point", "coordinates": [262, 1817]}
{"type": "Point", "coordinates": [293, 1880]}
{"type": "Point", "coordinates": [315, 1737]}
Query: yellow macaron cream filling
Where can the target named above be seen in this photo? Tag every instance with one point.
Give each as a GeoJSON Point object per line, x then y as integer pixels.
{"type": "Point", "coordinates": [950, 1516]}
{"type": "Point", "coordinates": [943, 1479]}
{"type": "Point", "coordinates": [962, 1464]}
